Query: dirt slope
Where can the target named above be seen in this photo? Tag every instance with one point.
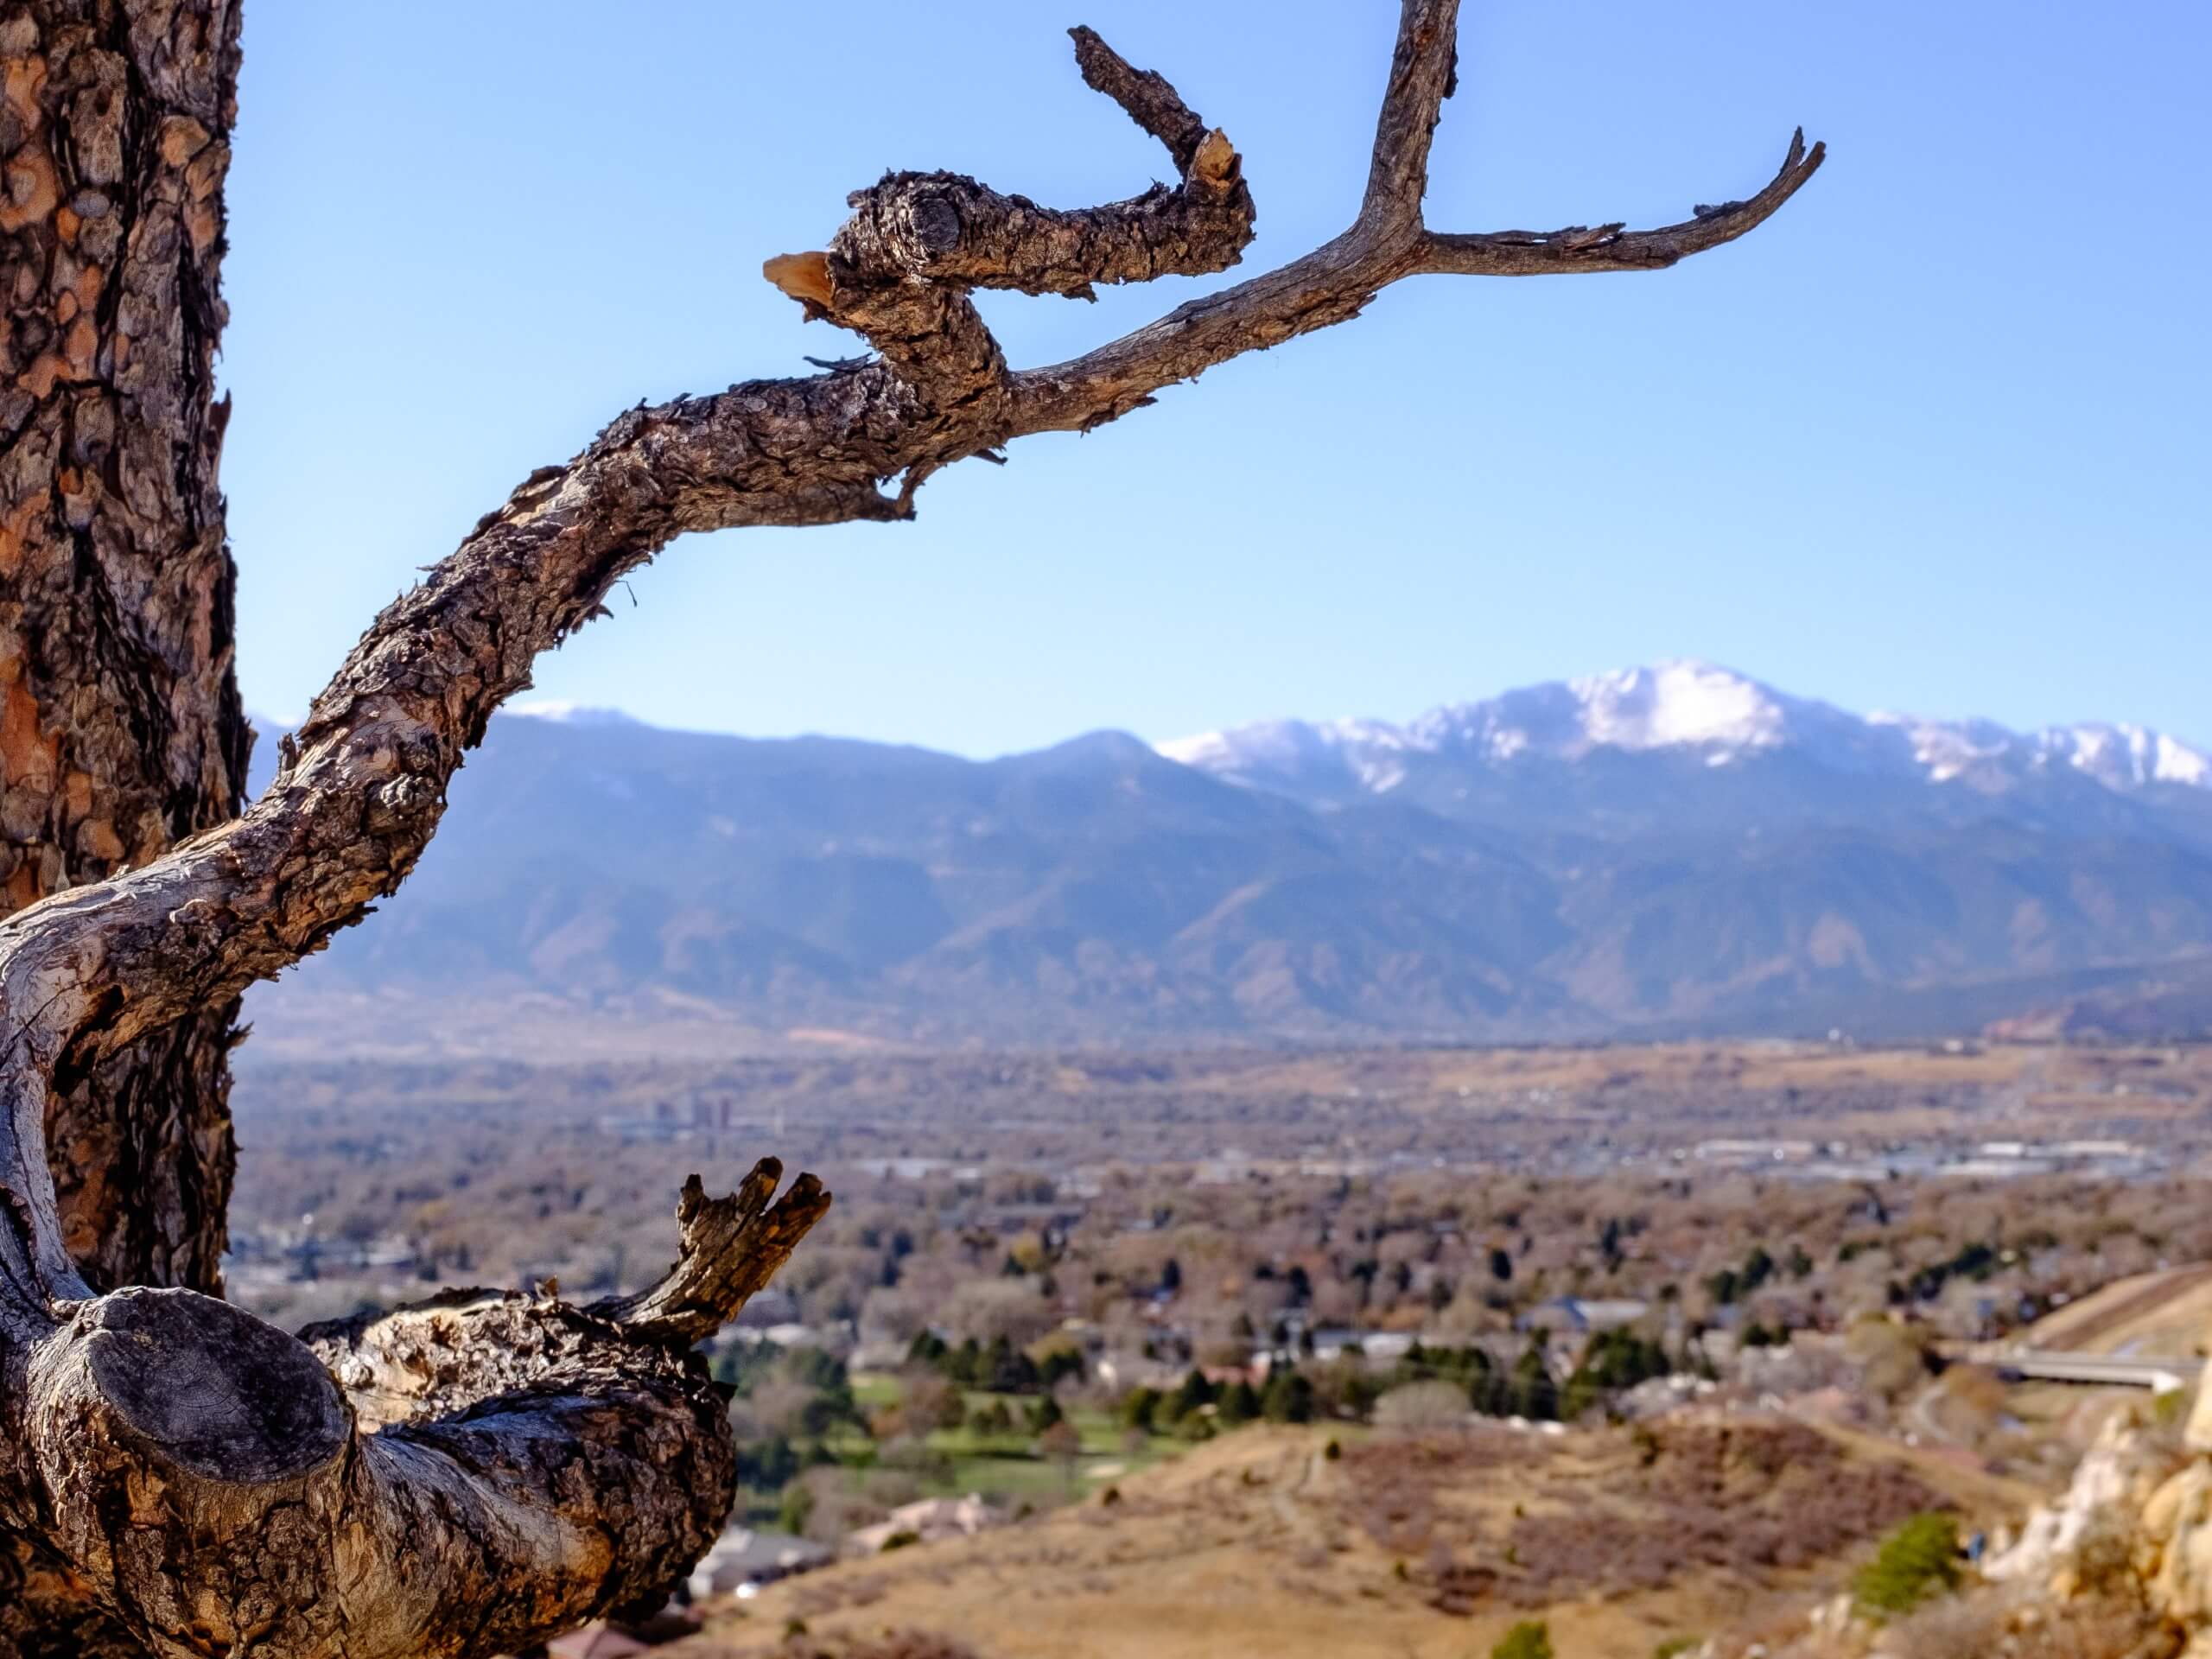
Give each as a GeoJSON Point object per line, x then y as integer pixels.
{"type": "Point", "coordinates": [1405, 1547]}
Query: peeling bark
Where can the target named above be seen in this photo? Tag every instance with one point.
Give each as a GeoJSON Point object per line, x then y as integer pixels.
{"type": "Point", "coordinates": [479, 1470]}
{"type": "Point", "coordinates": [120, 729]}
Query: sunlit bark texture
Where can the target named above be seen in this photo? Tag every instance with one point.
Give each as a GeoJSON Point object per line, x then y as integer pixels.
{"type": "Point", "coordinates": [469, 1475]}
{"type": "Point", "coordinates": [120, 731]}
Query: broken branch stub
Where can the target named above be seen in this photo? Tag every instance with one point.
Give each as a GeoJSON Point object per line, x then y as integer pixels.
{"type": "Point", "coordinates": [730, 1249]}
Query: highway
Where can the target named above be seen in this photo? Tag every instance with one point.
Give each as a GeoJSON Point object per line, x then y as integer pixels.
{"type": "Point", "coordinates": [2054, 1365]}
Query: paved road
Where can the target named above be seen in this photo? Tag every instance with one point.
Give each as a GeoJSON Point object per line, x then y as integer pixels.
{"type": "Point", "coordinates": [2054, 1365]}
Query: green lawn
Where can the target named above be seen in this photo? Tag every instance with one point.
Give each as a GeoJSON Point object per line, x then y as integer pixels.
{"type": "Point", "coordinates": [874, 1390]}
{"type": "Point", "coordinates": [1007, 1466]}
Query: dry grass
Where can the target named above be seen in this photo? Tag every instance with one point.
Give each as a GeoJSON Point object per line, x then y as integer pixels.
{"type": "Point", "coordinates": [2165, 1313]}
{"type": "Point", "coordinates": [1417, 1546]}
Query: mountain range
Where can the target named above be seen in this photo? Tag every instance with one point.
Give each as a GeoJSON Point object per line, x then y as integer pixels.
{"type": "Point", "coordinates": [1662, 850]}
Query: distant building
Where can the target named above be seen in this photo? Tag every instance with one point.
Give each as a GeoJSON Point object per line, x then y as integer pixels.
{"type": "Point", "coordinates": [1753, 1151]}
{"type": "Point", "coordinates": [743, 1557]}
{"type": "Point", "coordinates": [1233, 1165]}
{"type": "Point", "coordinates": [1124, 1371]}
{"type": "Point", "coordinates": [792, 1335]}
{"type": "Point", "coordinates": [1583, 1315]}
{"type": "Point", "coordinates": [931, 1519]}
{"type": "Point", "coordinates": [1335, 1343]}
{"type": "Point", "coordinates": [2004, 1167]}
{"type": "Point", "coordinates": [768, 1308]}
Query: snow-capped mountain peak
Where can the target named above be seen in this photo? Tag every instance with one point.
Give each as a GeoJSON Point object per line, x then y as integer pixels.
{"type": "Point", "coordinates": [1679, 702]}
{"type": "Point", "coordinates": [1945, 749]}
{"type": "Point", "coordinates": [1714, 713]}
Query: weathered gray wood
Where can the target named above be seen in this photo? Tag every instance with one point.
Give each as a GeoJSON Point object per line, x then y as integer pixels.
{"type": "Point", "coordinates": [461, 1477]}
{"type": "Point", "coordinates": [732, 1247]}
{"type": "Point", "coordinates": [473, 1472]}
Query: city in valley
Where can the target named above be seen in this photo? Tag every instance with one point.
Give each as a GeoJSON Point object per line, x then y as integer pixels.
{"type": "Point", "coordinates": [1666, 1349]}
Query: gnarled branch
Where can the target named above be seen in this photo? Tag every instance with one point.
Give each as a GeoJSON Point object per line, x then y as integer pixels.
{"type": "Point", "coordinates": [464, 1475]}
{"type": "Point", "coordinates": [732, 1247]}
{"type": "Point", "coordinates": [900, 271]}
{"type": "Point", "coordinates": [476, 1471]}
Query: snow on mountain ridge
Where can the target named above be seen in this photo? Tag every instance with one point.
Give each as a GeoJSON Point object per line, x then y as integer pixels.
{"type": "Point", "coordinates": [2122, 755]}
{"type": "Point", "coordinates": [1678, 702]}
{"type": "Point", "coordinates": [1948, 748]}
{"type": "Point", "coordinates": [1669, 704]}
{"type": "Point", "coordinates": [565, 713]}
{"type": "Point", "coordinates": [1686, 704]}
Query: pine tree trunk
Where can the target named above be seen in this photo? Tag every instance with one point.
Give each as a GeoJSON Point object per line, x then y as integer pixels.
{"type": "Point", "coordinates": [120, 726]}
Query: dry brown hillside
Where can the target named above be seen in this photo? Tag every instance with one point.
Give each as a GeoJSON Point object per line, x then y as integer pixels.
{"type": "Point", "coordinates": [1404, 1546]}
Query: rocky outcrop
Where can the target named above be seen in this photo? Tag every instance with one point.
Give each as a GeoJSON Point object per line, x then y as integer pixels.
{"type": "Point", "coordinates": [2115, 1481]}
{"type": "Point", "coordinates": [2139, 1506]}
{"type": "Point", "coordinates": [2173, 1548]}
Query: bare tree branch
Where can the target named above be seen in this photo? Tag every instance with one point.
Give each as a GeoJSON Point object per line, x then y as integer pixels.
{"type": "Point", "coordinates": [205, 1473]}
{"type": "Point", "coordinates": [900, 271]}
{"type": "Point", "coordinates": [1152, 103]}
{"type": "Point", "coordinates": [1612, 247]}
{"type": "Point", "coordinates": [1386, 243]}
{"type": "Point", "coordinates": [1423, 74]}
{"type": "Point", "coordinates": [474, 1472]}
{"type": "Point", "coordinates": [463, 1475]}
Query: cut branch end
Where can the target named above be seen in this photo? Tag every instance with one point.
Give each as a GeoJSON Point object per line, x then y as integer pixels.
{"type": "Point", "coordinates": [804, 276]}
{"type": "Point", "coordinates": [1215, 162]}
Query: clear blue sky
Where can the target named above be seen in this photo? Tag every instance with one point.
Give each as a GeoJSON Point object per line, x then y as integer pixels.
{"type": "Point", "coordinates": [1935, 438]}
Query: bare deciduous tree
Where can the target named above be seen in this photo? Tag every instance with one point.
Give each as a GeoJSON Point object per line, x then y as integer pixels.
{"type": "Point", "coordinates": [470, 1474]}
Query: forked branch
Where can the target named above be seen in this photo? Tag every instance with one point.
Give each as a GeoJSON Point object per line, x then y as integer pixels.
{"type": "Point", "coordinates": [374, 1490]}
{"type": "Point", "coordinates": [732, 1247]}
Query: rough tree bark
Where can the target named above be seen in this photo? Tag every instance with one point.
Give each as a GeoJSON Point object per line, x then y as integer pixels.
{"type": "Point", "coordinates": [120, 729]}
{"type": "Point", "coordinates": [474, 1472]}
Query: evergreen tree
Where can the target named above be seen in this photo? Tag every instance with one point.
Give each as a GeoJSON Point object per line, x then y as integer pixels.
{"type": "Point", "coordinates": [1536, 1396]}
{"type": "Point", "coordinates": [1194, 1394]}
{"type": "Point", "coordinates": [1289, 1398]}
{"type": "Point", "coordinates": [1239, 1404]}
{"type": "Point", "coordinates": [1138, 1407]}
{"type": "Point", "coordinates": [1920, 1559]}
